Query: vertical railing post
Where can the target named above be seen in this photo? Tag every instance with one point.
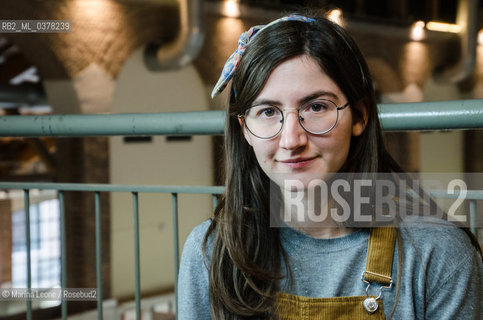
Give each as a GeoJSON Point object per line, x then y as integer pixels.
{"type": "Point", "coordinates": [174, 200]}
{"type": "Point", "coordinates": [63, 253]}
{"type": "Point", "coordinates": [137, 277]}
{"type": "Point", "coordinates": [97, 204]}
{"type": "Point", "coordinates": [473, 217]}
{"type": "Point", "coordinates": [29, 261]}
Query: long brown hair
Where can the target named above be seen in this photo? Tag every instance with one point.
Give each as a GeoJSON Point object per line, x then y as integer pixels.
{"type": "Point", "coordinates": [246, 259]}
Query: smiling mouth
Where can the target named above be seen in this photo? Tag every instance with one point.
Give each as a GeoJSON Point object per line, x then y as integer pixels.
{"type": "Point", "coordinates": [297, 163]}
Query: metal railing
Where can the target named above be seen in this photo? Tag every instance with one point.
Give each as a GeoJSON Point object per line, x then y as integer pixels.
{"type": "Point", "coordinates": [472, 196]}
{"type": "Point", "coordinates": [135, 190]}
{"type": "Point", "coordinates": [462, 114]}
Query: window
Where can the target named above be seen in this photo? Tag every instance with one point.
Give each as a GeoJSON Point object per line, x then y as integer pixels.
{"type": "Point", "coordinates": [44, 245]}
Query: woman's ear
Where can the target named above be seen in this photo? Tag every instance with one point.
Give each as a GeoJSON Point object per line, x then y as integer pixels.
{"type": "Point", "coordinates": [360, 122]}
{"type": "Point", "coordinates": [246, 134]}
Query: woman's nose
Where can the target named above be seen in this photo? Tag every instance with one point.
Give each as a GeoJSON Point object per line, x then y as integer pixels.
{"type": "Point", "coordinates": [293, 136]}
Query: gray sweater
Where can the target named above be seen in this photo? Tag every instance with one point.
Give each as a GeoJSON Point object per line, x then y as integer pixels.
{"type": "Point", "coordinates": [442, 274]}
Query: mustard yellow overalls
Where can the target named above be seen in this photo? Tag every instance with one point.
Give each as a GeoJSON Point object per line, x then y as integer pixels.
{"type": "Point", "coordinates": [378, 269]}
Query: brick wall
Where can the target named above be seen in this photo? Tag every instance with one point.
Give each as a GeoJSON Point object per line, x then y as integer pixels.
{"type": "Point", "coordinates": [85, 160]}
{"type": "Point", "coordinates": [104, 32]}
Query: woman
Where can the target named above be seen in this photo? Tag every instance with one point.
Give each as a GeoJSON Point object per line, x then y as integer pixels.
{"type": "Point", "coordinates": [302, 108]}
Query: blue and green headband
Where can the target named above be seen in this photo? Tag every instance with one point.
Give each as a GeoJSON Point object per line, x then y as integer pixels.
{"type": "Point", "coordinates": [245, 38]}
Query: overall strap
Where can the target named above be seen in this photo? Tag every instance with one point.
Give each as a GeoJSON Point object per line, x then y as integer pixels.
{"type": "Point", "coordinates": [380, 254]}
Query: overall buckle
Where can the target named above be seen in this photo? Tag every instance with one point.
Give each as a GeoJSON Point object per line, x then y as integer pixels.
{"type": "Point", "coordinates": [370, 303]}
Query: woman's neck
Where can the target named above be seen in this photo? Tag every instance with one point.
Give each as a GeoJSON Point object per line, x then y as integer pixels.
{"type": "Point", "coordinates": [324, 233]}
{"type": "Point", "coordinates": [310, 216]}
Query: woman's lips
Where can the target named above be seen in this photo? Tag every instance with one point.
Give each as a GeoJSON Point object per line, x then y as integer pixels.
{"type": "Point", "coordinates": [297, 163]}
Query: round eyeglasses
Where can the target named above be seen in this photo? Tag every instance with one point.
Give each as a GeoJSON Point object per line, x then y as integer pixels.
{"type": "Point", "coordinates": [317, 116]}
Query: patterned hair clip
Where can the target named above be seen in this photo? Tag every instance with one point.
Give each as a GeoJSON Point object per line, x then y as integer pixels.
{"type": "Point", "coordinates": [235, 58]}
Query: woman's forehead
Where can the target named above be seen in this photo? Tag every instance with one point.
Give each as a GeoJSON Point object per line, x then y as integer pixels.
{"type": "Point", "coordinates": [298, 79]}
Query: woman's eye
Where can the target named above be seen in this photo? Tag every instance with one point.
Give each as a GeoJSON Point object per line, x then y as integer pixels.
{"type": "Point", "coordinates": [317, 107]}
{"type": "Point", "coordinates": [266, 112]}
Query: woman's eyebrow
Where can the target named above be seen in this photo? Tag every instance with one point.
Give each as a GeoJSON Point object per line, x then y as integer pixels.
{"type": "Point", "coordinates": [319, 94]}
{"type": "Point", "coordinates": [267, 102]}
{"type": "Point", "coordinates": [312, 96]}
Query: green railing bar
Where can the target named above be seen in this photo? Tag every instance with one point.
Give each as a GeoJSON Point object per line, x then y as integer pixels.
{"type": "Point", "coordinates": [174, 200]}
{"type": "Point", "coordinates": [29, 257]}
{"type": "Point", "coordinates": [436, 115]}
{"type": "Point", "coordinates": [113, 188]}
{"type": "Point", "coordinates": [63, 250]}
{"type": "Point", "coordinates": [473, 217]}
{"type": "Point", "coordinates": [470, 194]}
{"type": "Point", "coordinates": [137, 274]}
{"type": "Point", "coordinates": [97, 202]}
{"type": "Point", "coordinates": [175, 123]}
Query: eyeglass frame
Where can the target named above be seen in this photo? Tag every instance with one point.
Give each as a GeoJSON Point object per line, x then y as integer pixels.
{"type": "Point", "coordinates": [242, 117]}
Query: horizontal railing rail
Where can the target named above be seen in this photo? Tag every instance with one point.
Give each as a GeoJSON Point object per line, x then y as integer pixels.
{"type": "Point", "coordinates": [112, 187]}
{"type": "Point", "coordinates": [440, 115]}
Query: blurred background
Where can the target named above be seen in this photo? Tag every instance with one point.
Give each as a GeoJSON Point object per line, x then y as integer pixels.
{"type": "Point", "coordinates": [135, 56]}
